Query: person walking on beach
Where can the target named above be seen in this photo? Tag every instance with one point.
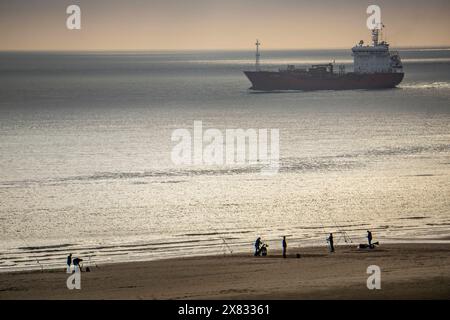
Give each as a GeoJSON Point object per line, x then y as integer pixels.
{"type": "Point", "coordinates": [284, 246]}
{"type": "Point", "coordinates": [331, 242]}
{"type": "Point", "coordinates": [369, 238]}
{"type": "Point", "coordinates": [69, 262]}
{"type": "Point", "coordinates": [257, 246]}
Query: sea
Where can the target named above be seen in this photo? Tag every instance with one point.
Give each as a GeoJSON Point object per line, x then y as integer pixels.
{"type": "Point", "coordinates": [86, 166]}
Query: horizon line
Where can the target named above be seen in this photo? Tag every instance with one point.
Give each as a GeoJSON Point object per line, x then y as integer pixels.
{"type": "Point", "coordinates": [437, 47]}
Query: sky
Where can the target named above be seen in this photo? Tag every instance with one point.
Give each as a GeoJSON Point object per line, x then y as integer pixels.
{"type": "Point", "coordinates": [218, 24]}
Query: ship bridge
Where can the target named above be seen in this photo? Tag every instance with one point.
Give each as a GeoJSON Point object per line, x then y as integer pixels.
{"type": "Point", "coordinates": [375, 58]}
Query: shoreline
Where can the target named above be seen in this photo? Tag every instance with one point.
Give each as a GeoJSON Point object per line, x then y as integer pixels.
{"type": "Point", "coordinates": [400, 241]}
{"type": "Point", "coordinates": [408, 271]}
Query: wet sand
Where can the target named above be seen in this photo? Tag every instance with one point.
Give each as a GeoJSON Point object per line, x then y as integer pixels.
{"type": "Point", "coordinates": [408, 271]}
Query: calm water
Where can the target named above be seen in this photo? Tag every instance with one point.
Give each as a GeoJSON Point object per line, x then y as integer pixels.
{"type": "Point", "coordinates": [85, 161]}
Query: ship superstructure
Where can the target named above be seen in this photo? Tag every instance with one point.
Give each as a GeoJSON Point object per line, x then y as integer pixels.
{"type": "Point", "coordinates": [376, 58]}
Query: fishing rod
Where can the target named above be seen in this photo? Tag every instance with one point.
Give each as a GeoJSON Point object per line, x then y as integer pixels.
{"type": "Point", "coordinates": [29, 246]}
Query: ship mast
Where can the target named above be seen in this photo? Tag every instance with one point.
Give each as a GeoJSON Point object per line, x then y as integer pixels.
{"type": "Point", "coordinates": [257, 55]}
{"type": "Point", "coordinates": [375, 37]}
{"type": "Point", "coordinates": [376, 34]}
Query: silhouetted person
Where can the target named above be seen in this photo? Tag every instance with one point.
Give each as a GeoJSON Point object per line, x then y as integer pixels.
{"type": "Point", "coordinates": [369, 238]}
{"type": "Point", "coordinates": [284, 247]}
{"type": "Point", "coordinates": [69, 262]}
{"type": "Point", "coordinates": [331, 242]}
{"type": "Point", "coordinates": [76, 262]}
{"type": "Point", "coordinates": [257, 246]}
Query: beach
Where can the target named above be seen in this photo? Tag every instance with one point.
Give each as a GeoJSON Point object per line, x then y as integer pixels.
{"type": "Point", "coordinates": [408, 271]}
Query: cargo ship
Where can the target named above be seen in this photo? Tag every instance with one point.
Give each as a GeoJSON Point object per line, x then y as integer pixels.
{"type": "Point", "coordinates": [374, 67]}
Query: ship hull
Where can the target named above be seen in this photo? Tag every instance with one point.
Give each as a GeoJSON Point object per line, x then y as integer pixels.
{"type": "Point", "coordinates": [270, 81]}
